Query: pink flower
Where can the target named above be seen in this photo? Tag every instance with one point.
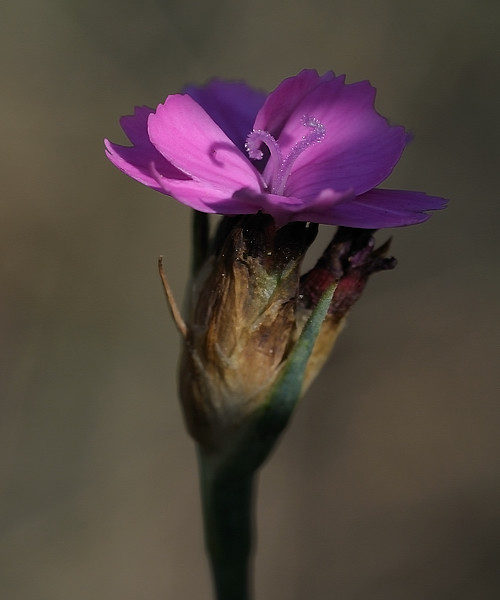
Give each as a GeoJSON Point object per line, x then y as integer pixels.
{"type": "Point", "coordinates": [313, 150]}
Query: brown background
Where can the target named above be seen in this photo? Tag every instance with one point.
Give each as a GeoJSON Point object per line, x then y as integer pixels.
{"type": "Point", "coordinates": [386, 486]}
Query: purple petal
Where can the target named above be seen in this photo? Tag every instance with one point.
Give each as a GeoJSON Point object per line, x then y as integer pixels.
{"type": "Point", "coordinates": [360, 148]}
{"type": "Point", "coordinates": [248, 201]}
{"type": "Point", "coordinates": [203, 196]}
{"type": "Point", "coordinates": [383, 208]}
{"type": "Point", "coordinates": [283, 101]}
{"type": "Point", "coordinates": [321, 208]}
{"type": "Point", "coordinates": [137, 160]}
{"type": "Point", "coordinates": [136, 126]}
{"type": "Point", "coordinates": [233, 105]}
{"type": "Point", "coordinates": [188, 138]}
{"type": "Point", "coordinates": [282, 209]}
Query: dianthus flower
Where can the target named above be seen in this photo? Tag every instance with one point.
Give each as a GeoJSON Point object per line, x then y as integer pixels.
{"type": "Point", "coordinates": [315, 149]}
{"type": "Point", "coordinates": [257, 329]}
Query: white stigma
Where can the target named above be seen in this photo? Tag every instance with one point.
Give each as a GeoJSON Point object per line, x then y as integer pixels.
{"type": "Point", "coordinates": [278, 168]}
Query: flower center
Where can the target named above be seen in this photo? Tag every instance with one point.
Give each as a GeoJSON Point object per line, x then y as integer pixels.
{"type": "Point", "coordinates": [279, 167]}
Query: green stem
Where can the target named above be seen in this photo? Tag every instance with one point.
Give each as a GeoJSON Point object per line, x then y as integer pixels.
{"type": "Point", "coordinates": [227, 498]}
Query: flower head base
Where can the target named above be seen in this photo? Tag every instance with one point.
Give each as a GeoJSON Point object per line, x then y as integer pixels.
{"type": "Point", "coordinates": [204, 149]}
{"type": "Point", "coordinates": [249, 311]}
{"type": "Point", "coordinates": [242, 325]}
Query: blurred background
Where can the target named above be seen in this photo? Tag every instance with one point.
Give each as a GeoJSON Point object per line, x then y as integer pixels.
{"type": "Point", "coordinates": [386, 486]}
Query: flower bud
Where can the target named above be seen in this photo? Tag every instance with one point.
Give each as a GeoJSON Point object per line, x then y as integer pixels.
{"type": "Point", "coordinates": [349, 260]}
